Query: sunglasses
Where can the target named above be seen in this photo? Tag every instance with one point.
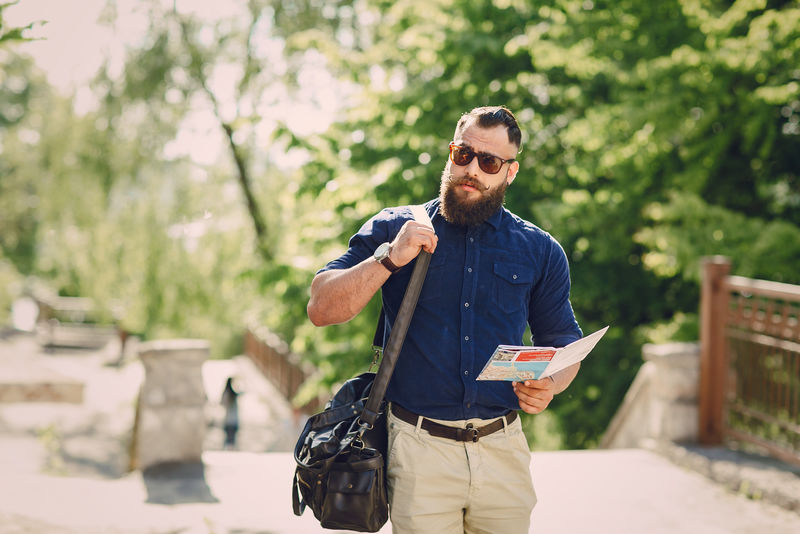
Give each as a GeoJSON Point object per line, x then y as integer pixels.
{"type": "Point", "coordinates": [488, 163]}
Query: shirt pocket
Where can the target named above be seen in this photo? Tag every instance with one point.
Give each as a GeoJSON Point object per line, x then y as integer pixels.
{"type": "Point", "coordinates": [512, 282]}
{"type": "Point", "coordinates": [435, 277]}
{"type": "Point", "coordinates": [431, 287]}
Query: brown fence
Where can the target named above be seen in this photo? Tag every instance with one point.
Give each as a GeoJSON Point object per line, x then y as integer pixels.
{"type": "Point", "coordinates": [280, 366]}
{"type": "Point", "coordinates": [750, 361]}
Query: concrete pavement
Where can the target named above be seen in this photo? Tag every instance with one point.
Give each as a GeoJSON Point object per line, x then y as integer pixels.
{"type": "Point", "coordinates": [63, 470]}
{"type": "Point", "coordinates": [614, 492]}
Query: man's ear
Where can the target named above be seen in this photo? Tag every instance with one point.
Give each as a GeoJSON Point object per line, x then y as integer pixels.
{"type": "Point", "coordinates": [513, 168]}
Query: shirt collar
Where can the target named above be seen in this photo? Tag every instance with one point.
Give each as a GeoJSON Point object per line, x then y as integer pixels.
{"type": "Point", "coordinates": [495, 219]}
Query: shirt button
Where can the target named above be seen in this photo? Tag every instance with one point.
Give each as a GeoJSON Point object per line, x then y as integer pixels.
{"type": "Point", "coordinates": [471, 239]}
{"type": "Point", "coordinates": [466, 372]}
{"type": "Point", "coordinates": [466, 304]}
{"type": "Point", "coordinates": [466, 338]}
{"type": "Point", "coordinates": [514, 276]}
{"type": "Point", "coordinates": [469, 269]}
{"type": "Point", "coordinates": [469, 405]}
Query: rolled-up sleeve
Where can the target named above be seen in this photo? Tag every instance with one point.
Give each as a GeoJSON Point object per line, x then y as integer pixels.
{"type": "Point", "coordinates": [551, 318]}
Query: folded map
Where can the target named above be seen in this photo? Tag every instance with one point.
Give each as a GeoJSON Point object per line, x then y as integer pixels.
{"type": "Point", "coordinates": [519, 362]}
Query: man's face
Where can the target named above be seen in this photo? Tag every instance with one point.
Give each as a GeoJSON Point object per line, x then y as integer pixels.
{"type": "Point", "coordinates": [469, 195]}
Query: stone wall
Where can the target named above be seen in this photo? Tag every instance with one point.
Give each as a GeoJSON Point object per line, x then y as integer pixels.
{"type": "Point", "coordinates": [661, 403]}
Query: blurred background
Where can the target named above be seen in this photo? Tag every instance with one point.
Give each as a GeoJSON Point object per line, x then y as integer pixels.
{"type": "Point", "coordinates": [187, 166]}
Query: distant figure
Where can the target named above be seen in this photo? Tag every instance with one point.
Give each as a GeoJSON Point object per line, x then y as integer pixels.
{"type": "Point", "coordinates": [231, 421]}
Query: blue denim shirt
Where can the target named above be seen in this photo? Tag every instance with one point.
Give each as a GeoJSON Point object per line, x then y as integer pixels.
{"type": "Point", "coordinates": [484, 285]}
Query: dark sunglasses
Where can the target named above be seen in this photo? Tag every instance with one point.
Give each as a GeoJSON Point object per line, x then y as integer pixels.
{"type": "Point", "coordinates": [489, 163]}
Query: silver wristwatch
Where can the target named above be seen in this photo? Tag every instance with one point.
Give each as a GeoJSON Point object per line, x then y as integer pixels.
{"type": "Point", "coordinates": [381, 256]}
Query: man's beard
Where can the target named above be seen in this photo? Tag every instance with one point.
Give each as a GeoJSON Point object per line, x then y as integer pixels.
{"type": "Point", "coordinates": [462, 212]}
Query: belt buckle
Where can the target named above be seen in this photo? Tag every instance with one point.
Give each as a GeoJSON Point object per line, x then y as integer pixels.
{"type": "Point", "coordinates": [472, 431]}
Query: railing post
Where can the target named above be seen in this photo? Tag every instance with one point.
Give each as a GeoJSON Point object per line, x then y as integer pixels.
{"type": "Point", "coordinates": [713, 351]}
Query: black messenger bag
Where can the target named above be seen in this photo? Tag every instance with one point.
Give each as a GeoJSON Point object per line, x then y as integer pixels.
{"type": "Point", "coordinates": [341, 452]}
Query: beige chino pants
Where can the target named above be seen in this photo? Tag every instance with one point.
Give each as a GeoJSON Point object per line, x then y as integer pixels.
{"type": "Point", "coordinates": [442, 486]}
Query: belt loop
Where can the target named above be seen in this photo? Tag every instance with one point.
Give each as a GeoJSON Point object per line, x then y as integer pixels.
{"type": "Point", "coordinates": [505, 426]}
{"type": "Point", "coordinates": [420, 419]}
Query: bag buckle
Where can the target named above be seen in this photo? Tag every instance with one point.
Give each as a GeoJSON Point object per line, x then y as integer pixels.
{"type": "Point", "coordinates": [358, 442]}
{"type": "Point", "coordinates": [363, 427]}
{"type": "Point", "coordinates": [377, 355]}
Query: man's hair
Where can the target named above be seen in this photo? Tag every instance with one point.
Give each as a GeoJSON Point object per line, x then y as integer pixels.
{"type": "Point", "coordinates": [489, 116]}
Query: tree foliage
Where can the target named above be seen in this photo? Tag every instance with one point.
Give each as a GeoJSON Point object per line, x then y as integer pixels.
{"type": "Point", "coordinates": [653, 134]}
{"type": "Point", "coordinates": [16, 200]}
{"type": "Point", "coordinates": [656, 134]}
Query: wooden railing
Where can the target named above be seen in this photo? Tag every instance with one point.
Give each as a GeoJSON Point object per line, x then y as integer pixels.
{"type": "Point", "coordinates": [750, 361]}
{"type": "Point", "coordinates": [284, 369]}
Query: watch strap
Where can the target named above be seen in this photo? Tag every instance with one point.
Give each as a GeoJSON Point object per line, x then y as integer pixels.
{"type": "Point", "coordinates": [386, 262]}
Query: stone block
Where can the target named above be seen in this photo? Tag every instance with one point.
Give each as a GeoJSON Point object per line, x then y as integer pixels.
{"type": "Point", "coordinates": [171, 422]}
{"type": "Point", "coordinates": [661, 404]}
{"type": "Point", "coordinates": [677, 370]}
{"type": "Point", "coordinates": [170, 434]}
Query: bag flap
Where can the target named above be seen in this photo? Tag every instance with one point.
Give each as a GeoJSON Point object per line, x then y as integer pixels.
{"type": "Point", "coordinates": [333, 416]}
{"type": "Point", "coordinates": [355, 389]}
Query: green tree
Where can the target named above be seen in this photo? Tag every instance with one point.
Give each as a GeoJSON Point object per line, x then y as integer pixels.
{"type": "Point", "coordinates": [633, 112]}
{"type": "Point", "coordinates": [120, 213]}
{"type": "Point", "coordinates": [16, 246]}
{"type": "Point", "coordinates": [654, 134]}
{"type": "Point", "coordinates": [95, 209]}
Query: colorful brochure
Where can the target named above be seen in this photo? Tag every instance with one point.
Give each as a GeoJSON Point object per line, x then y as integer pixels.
{"type": "Point", "coordinates": [519, 362]}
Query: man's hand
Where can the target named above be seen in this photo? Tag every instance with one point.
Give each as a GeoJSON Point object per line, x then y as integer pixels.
{"type": "Point", "coordinates": [412, 238]}
{"type": "Point", "coordinates": [338, 295]}
{"type": "Point", "coordinates": [534, 395]}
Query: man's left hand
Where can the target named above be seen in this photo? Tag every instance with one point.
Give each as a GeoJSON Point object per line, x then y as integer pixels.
{"type": "Point", "coordinates": [534, 395]}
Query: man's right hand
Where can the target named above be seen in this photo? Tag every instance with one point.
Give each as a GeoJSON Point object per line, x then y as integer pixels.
{"type": "Point", "coordinates": [412, 238]}
{"type": "Point", "coordinates": [338, 295]}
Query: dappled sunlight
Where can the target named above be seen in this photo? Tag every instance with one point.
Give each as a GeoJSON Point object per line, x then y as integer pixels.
{"type": "Point", "coordinates": [188, 166]}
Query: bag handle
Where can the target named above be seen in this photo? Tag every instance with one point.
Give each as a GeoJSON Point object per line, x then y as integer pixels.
{"type": "Point", "coordinates": [398, 334]}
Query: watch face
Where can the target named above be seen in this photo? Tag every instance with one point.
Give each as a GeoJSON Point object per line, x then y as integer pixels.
{"type": "Point", "coordinates": [382, 251]}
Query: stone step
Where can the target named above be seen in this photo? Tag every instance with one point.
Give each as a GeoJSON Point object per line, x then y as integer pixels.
{"type": "Point", "coordinates": [26, 380]}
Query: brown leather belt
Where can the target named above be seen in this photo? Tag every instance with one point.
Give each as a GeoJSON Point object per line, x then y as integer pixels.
{"type": "Point", "coordinates": [470, 433]}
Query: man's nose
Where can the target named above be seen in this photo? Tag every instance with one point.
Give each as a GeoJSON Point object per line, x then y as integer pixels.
{"type": "Point", "coordinates": [473, 168]}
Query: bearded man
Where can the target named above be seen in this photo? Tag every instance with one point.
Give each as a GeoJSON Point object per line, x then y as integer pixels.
{"type": "Point", "coordinates": [491, 275]}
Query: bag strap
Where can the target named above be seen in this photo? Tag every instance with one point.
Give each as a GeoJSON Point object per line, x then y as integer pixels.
{"type": "Point", "coordinates": [298, 505]}
{"type": "Point", "coordinates": [398, 334]}
{"type": "Point", "coordinates": [377, 341]}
